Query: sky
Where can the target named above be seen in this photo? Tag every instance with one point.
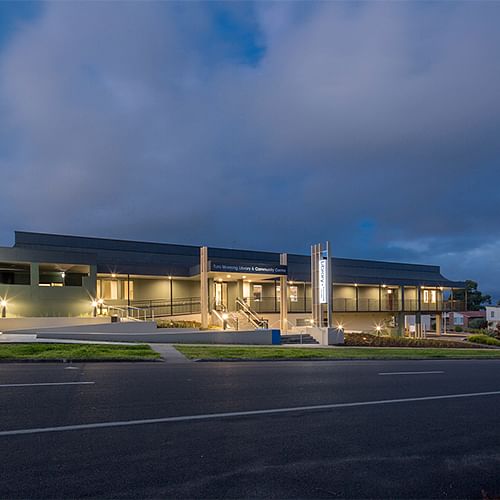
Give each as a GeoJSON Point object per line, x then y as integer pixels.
{"type": "Point", "coordinates": [266, 125]}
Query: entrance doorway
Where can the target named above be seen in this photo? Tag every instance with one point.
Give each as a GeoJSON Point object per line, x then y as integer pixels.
{"type": "Point", "coordinates": [220, 296]}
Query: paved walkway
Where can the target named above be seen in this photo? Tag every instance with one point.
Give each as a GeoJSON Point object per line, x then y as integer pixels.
{"type": "Point", "coordinates": [170, 354]}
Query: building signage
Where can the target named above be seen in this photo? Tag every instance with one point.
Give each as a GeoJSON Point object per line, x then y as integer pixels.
{"type": "Point", "coordinates": [323, 281]}
{"type": "Point", "coordinates": [249, 268]}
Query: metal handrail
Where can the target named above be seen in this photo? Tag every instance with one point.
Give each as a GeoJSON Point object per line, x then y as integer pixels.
{"type": "Point", "coordinates": [125, 310]}
{"type": "Point", "coordinates": [250, 314]}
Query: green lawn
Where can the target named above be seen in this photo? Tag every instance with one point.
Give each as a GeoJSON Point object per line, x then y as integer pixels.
{"type": "Point", "coordinates": [250, 352]}
{"type": "Point", "coordinates": [77, 352]}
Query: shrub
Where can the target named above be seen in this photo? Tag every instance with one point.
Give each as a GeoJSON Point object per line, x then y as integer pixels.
{"type": "Point", "coordinates": [169, 323]}
{"type": "Point", "coordinates": [483, 339]}
{"type": "Point", "coordinates": [370, 340]}
{"type": "Point", "coordinates": [458, 329]}
{"type": "Point", "coordinates": [478, 323]}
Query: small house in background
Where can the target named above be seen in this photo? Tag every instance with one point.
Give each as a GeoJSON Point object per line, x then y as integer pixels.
{"type": "Point", "coordinates": [493, 316]}
{"type": "Point", "coordinates": [464, 318]}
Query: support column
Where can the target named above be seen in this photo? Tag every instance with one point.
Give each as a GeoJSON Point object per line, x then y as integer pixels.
{"type": "Point", "coordinates": [314, 285]}
{"type": "Point", "coordinates": [321, 259]}
{"type": "Point", "coordinates": [204, 287]}
{"type": "Point", "coordinates": [284, 296]}
{"type": "Point", "coordinates": [34, 274]}
{"type": "Point", "coordinates": [418, 325]}
{"type": "Point", "coordinates": [439, 319]}
{"type": "Point", "coordinates": [401, 324]}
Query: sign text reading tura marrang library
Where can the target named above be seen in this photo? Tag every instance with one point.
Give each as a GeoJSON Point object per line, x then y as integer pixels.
{"type": "Point", "coordinates": [249, 268]}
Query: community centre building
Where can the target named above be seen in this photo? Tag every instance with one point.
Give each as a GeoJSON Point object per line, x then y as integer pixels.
{"type": "Point", "coordinates": [71, 276]}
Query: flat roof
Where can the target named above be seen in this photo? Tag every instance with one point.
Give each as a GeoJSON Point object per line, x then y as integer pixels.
{"type": "Point", "coordinates": [149, 258]}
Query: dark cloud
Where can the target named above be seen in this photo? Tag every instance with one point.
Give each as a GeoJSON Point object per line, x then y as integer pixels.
{"type": "Point", "coordinates": [373, 125]}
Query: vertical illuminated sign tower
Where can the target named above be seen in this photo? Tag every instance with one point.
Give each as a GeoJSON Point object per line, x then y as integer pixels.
{"type": "Point", "coordinates": [321, 283]}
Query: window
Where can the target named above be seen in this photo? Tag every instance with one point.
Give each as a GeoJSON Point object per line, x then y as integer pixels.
{"type": "Point", "coordinates": [115, 289]}
{"type": "Point", "coordinates": [278, 293]}
{"type": "Point", "coordinates": [14, 274]}
{"type": "Point", "coordinates": [127, 290]}
{"type": "Point", "coordinates": [56, 275]}
{"type": "Point", "coordinates": [492, 314]}
{"type": "Point", "coordinates": [257, 293]}
{"type": "Point", "coordinates": [109, 290]}
{"type": "Point", "coordinates": [430, 296]}
{"type": "Point", "coordinates": [294, 293]}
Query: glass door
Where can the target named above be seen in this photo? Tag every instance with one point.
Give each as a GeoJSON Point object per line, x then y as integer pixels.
{"type": "Point", "coordinates": [220, 295]}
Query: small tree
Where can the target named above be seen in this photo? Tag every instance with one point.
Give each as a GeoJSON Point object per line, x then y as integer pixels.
{"type": "Point", "coordinates": [476, 300]}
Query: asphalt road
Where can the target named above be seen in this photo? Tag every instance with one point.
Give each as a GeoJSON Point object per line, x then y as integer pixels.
{"type": "Point", "coordinates": [415, 448]}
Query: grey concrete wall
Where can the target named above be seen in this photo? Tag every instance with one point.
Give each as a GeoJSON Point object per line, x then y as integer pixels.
{"type": "Point", "coordinates": [126, 327]}
{"type": "Point", "coordinates": [8, 324]}
{"type": "Point", "coordinates": [254, 337]}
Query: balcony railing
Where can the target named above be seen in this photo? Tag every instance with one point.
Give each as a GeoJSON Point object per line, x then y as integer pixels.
{"type": "Point", "coordinates": [270, 305]}
{"type": "Point", "coordinates": [165, 307]}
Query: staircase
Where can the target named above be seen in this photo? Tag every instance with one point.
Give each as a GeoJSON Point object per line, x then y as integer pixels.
{"type": "Point", "coordinates": [305, 338]}
{"type": "Point", "coordinates": [243, 322]}
{"type": "Point", "coordinates": [249, 316]}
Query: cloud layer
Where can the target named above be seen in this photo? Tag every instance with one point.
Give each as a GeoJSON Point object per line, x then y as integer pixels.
{"type": "Point", "coordinates": [267, 126]}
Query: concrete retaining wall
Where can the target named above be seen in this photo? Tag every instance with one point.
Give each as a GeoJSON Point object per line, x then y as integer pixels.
{"type": "Point", "coordinates": [125, 327]}
{"type": "Point", "coordinates": [162, 336]}
{"type": "Point", "coordinates": [9, 324]}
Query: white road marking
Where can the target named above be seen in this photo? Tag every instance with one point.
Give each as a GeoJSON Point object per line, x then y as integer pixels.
{"type": "Point", "coordinates": [410, 373]}
{"type": "Point", "coordinates": [46, 383]}
{"type": "Point", "coordinates": [214, 416]}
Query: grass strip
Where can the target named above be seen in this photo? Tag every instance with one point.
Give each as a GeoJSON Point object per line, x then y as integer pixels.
{"type": "Point", "coordinates": [251, 352]}
{"type": "Point", "coordinates": [76, 352]}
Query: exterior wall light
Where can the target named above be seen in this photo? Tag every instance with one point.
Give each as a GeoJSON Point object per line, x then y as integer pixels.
{"type": "Point", "coordinates": [170, 277]}
{"type": "Point", "coordinates": [113, 275]}
{"type": "Point", "coordinates": [228, 276]}
{"type": "Point", "coordinates": [3, 306]}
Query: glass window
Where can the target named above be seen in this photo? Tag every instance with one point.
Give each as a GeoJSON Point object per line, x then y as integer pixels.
{"type": "Point", "coordinates": [127, 290]}
{"type": "Point", "coordinates": [294, 293]}
{"type": "Point", "coordinates": [62, 274]}
{"type": "Point", "coordinates": [278, 293]}
{"type": "Point", "coordinates": [12, 273]}
{"type": "Point", "coordinates": [426, 296]}
{"type": "Point", "coordinates": [433, 296]}
{"type": "Point", "coordinates": [257, 293]}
